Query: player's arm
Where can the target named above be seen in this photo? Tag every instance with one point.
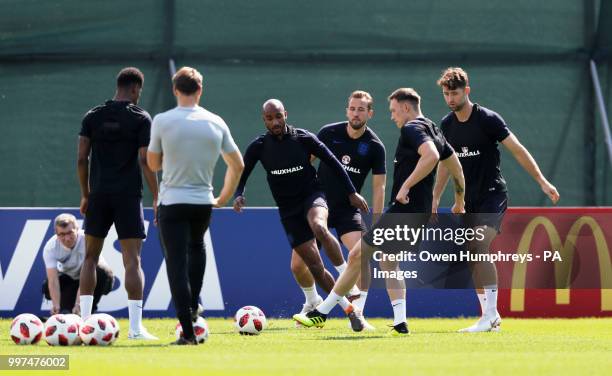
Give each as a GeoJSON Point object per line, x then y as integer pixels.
{"type": "Point", "coordinates": [429, 156]}
{"type": "Point", "coordinates": [378, 193]}
{"type": "Point", "coordinates": [251, 156]}
{"type": "Point", "coordinates": [453, 166]}
{"type": "Point", "coordinates": [54, 289]}
{"type": "Point", "coordinates": [235, 166]}
{"type": "Point", "coordinates": [442, 177]}
{"type": "Point", "coordinates": [321, 151]}
{"type": "Point", "coordinates": [149, 175]}
{"type": "Point", "coordinates": [524, 158]}
{"type": "Point", "coordinates": [84, 149]}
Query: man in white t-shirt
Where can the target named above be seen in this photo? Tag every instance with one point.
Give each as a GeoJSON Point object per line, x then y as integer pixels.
{"type": "Point", "coordinates": [186, 143]}
{"type": "Point", "coordinates": [64, 254]}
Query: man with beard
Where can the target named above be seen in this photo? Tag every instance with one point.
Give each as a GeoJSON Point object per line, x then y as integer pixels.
{"type": "Point", "coordinates": [284, 152]}
{"type": "Point", "coordinates": [475, 132]}
{"type": "Point", "coordinates": [359, 150]}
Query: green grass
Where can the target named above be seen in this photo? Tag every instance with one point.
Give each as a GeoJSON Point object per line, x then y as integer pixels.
{"type": "Point", "coordinates": [524, 347]}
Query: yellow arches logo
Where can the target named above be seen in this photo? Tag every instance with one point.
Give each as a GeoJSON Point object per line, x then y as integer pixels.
{"type": "Point", "coordinates": [563, 270]}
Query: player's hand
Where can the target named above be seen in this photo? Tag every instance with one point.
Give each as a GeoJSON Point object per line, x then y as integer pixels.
{"type": "Point", "coordinates": [550, 191]}
{"type": "Point", "coordinates": [218, 202]}
{"type": "Point", "coordinates": [458, 207]}
{"type": "Point", "coordinates": [434, 205]}
{"type": "Point", "coordinates": [402, 195]}
{"type": "Point", "coordinates": [83, 206]}
{"type": "Point", "coordinates": [359, 202]}
{"type": "Point", "coordinates": [54, 310]}
{"type": "Point", "coordinates": [76, 309]}
{"type": "Point", "coordinates": [239, 203]}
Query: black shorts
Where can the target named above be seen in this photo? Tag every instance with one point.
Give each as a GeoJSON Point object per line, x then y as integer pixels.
{"type": "Point", "coordinates": [345, 220]}
{"type": "Point", "coordinates": [124, 211]}
{"type": "Point", "coordinates": [296, 225]}
{"type": "Point", "coordinates": [488, 211]}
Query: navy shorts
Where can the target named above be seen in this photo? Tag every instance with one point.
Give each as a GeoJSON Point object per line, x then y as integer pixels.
{"type": "Point", "coordinates": [296, 225]}
{"type": "Point", "coordinates": [124, 211]}
{"type": "Point", "coordinates": [345, 220]}
{"type": "Point", "coordinates": [488, 211]}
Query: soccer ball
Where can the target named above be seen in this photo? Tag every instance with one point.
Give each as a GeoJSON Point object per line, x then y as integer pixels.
{"type": "Point", "coordinates": [26, 329]}
{"type": "Point", "coordinates": [78, 321]}
{"type": "Point", "coordinates": [250, 320]}
{"type": "Point", "coordinates": [61, 330]}
{"type": "Point", "coordinates": [114, 324]}
{"type": "Point", "coordinates": [200, 328]}
{"type": "Point", "coordinates": [97, 330]}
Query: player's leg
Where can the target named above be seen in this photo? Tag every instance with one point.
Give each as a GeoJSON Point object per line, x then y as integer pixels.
{"type": "Point", "coordinates": [396, 289]}
{"type": "Point", "coordinates": [317, 220]}
{"type": "Point", "coordinates": [98, 220]}
{"type": "Point", "coordinates": [344, 283]}
{"type": "Point", "coordinates": [174, 235]}
{"type": "Point", "coordinates": [197, 254]}
{"type": "Point", "coordinates": [309, 254]}
{"type": "Point", "coordinates": [87, 279]}
{"type": "Point", "coordinates": [129, 223]}
{"type": "Point", "coordinates": [305, 280]}
{"type": "Point", "coordinates": [484, 275]}
{"type": "Point", "coordinates": [349, 239]}
{"type": "Point", "coordinates": [104, 284]}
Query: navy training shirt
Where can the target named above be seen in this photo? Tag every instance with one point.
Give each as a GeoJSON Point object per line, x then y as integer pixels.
{"type": "Point", "coordinates": [475, 142]}
{"type": "Point", "coordinates": [116, 130]}
{"type": "Point", "coordinates": [358, 157]}
{"type": "Point", "coordinates": [412, 135]}
{"type": "Point", "coordinates": [290, 175]}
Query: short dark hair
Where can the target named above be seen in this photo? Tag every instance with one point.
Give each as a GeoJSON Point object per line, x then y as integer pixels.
{"type": "Point", "coordinates": [406, 94]}
{"type": "Point", "coordinates": [187, 80]}
{"type": "Point", "coordinates": [453, 78]}
{"type": "Point", "coordinates": [130, 76]}
{"type": "Point", "coordinates": [360, 94]}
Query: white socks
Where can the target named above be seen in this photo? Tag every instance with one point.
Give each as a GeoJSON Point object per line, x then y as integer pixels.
{"type": "Point", "coordinates": [490, 300]}
{"type": "Point", "coordinates": [399, 311]}
{"type": "Point", "coordinates": [86, 303]}
{"type": "Point", "coordinates": [135, 312]}
{"type": "Point", "coordinates": [482, 299]}
{"type": "Point", "coordinates": [340, 268]}
{"type": "Point", "coordinates": [360, 302]}
{"type": "Point", "coordinates": [330, 302]}
{"type": "Point", "coordinates": [311, 294]}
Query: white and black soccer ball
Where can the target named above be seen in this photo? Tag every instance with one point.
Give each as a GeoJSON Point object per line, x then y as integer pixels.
{"type": "Point", "coordinates": [97, 330]}
{"type": "Point", "coordinates": [114, 324]}
{"type": "Point", "coordinates": [200, 328]}
{"type": "Point", "coordinates": [250, 320]}
{"type": "Point", "coordinates": [26, 329]}
{"type": "Point", "coordinates": [61, 330]}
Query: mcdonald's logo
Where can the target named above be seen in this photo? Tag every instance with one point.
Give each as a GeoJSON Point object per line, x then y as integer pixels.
{"type": "Point", "coordinates": [563, 270]}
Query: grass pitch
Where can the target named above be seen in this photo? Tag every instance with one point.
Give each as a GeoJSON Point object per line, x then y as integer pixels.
{"type": "Point", "coordinates": [534, 347]}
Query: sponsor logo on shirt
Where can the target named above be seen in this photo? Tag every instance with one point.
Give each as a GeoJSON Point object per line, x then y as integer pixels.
{"type": "Point", "coordinates": [345, 161]}
{"type": "Point", "coordinates": [285, 171]}
{"type": "Point", "coordinates": [465, 152]}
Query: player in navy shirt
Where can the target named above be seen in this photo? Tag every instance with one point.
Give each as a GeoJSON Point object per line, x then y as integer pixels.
{"type": "Point", "coordinates": [475, 132]}
{"type": "Point", "coordinates": [285, 153]}
{"type": "Point", "coordinates": [360, 151]}
{"type": "Point", "coordinates": [421, 145]}
{"type": "Point", "coordinates": [112, 153]}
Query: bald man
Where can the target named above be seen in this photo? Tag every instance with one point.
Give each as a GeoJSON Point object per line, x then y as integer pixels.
{"type": "Point", "coordinates": [284, 151]}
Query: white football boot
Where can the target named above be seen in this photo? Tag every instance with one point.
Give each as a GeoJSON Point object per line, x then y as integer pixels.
{"type": "Point", "coordinates": [487, 323]}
